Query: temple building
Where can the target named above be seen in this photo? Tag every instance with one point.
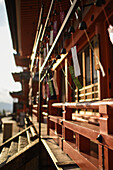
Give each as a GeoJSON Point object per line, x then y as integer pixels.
{"type": "Point", "coordinates": [65, 48]}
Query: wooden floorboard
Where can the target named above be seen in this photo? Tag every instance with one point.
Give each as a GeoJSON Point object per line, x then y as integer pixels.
{"type": "Point", "coordinates": [59, 157]}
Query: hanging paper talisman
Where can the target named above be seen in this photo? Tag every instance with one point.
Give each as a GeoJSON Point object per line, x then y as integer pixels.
{"type": "Point", "coordinates": [55, 85]}
{"type": "Point", "coordinates": [62, 15]}
{"type": "Point", "coordinates": [47, 88]}
{"type": "Point", "coordinates": [75, 79]}
{"type": "Point", "coordinates": [50, 86]}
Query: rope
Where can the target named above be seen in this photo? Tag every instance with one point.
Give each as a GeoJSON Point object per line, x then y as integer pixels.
{"type": "Point", "coordinates": [65, 76]}
{"type": "Point", "coordinates": [106, 15]}
{"type": "Point", "coordinates": [97, 59]}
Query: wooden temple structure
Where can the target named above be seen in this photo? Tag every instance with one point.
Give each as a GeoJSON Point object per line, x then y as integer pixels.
{"type": "Point", "coordinates": [66, 52]}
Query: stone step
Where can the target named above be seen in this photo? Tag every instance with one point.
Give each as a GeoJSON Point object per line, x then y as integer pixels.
{"type": "Point", "coordinates": [28, 136]}
{"type": "Point", "coordinates": [4, 156]}
{"type": "Point", "coordinates": [23, 142]}
{"type": "Point", "coordinates": [12, 150]}
{"type": "Point", "coordinates": [33, 133]}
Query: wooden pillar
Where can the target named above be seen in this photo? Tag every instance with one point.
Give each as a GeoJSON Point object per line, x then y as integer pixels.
{"type": "Point", "coordinates": [106, 119]}
{"type": "Point", "coordinates": [67, 113]}
{"type": "Point", "coordinates": [106, 126]}
{"type": "Point", "coordinates": [66, 133]}
{"type": "Point", "coordinates": [7, 131]}
{"type": "Point", "coordinates": [83, 144]}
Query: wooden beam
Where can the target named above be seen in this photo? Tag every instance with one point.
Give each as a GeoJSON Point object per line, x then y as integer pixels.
{"type": "Point", "coordinates": [58, 35]}
{"type": "Point", "coordinates": [35, 48]}
{"type": "Point", "coordinates": [47, 20]}
{"type": "Point", "coordinates": [58, 62]}
{"type": "Point", "coordinates": [83, 161]}
{"type": "Point", "coordinates": [37, 36]}
{"type": "Point", "coordinates": [83, 129]}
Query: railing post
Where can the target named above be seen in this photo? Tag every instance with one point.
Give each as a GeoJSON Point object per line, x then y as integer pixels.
{"type": "Point", "coordinates": [67, 115]}
{"type": "Point", "coordinates": [106, 127]}
{"type": "Point", "coordinates": [82, 144]}
{"type": "Point", "coordinates": [51, 111]}
{"type": "Point", "coordinates": [106, 119]}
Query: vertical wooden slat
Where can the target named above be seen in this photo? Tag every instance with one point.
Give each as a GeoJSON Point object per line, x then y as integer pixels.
{"type": "Point", "coordinates": [96, 51]}
{"type": "Point", "coordinates": [91, 72]}
{"type": "Point", "coordinates": [66, 79]}
{"type": "Point", "coordinates": [84, 81]}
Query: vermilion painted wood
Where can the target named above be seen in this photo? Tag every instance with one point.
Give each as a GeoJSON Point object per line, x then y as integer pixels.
{"type": "Point", "coordinates": [56, 119]}
{"type": "Point", "coordinates": [81, 160]}
{"type": "Point", "coordinates": [88, 131]}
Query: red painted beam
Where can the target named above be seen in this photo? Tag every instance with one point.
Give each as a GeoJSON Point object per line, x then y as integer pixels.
{"type": "Point", "coordinates": [85, 163]}
{"type": "Point", "coordinates": [80, 128]}
{"type": "Point", "coordinates": [56, 119]}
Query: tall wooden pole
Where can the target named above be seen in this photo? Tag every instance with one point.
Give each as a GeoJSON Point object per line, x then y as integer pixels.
{"type": "Point", "coordinates": [40, 102]}
{"type": "Point", "coordinates": [40, 99]}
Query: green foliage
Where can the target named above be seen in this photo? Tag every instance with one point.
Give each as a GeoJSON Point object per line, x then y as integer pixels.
{"type": "Point", "coordinates": [4, 112]}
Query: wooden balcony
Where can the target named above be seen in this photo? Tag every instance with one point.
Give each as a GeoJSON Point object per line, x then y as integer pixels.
{"type": "Point", "coordinates": [88, 144]}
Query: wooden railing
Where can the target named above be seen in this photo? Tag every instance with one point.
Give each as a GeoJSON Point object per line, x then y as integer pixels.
{"type": "Point", "coordinates": [89, 145]}
{"type": "Point", "coordinates": [87, 93]}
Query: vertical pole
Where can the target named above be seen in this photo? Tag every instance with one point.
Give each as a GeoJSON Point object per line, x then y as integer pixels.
{"type": "Point", "coordinates": [40, 87]}
{"type": "Point", "coordinates": [66, 78]}
{"type": "Point", "coordinates": [103, 157]}
{"type": "Point", "coordinates": [39, 103]}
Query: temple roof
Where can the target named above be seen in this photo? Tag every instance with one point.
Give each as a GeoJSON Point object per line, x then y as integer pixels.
{"type": "Point", "coordinates": [21, 76]}
{"type": "Point", "coordinates": [23, 19]}
{"type": "Point", "coordinates": [22, 61]}
{"type": "Point", "coordinates": [17, 94]}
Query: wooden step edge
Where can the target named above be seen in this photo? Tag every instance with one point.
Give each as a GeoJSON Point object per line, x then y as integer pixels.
{"type": "Point", "coordinates": [59, 165]}
{"type": "Point", "coordinates": [15, 136]}
{"type": "Point", "coordinates": [51, 154]}
{"type": "Point", "coordinates": [65, 163]}
{"type": "Point", "coordinates": [33, 133]}
{"type": "Point", "coordinates": [28, 137]}
{"type": "Point", "coordinates": [23, 150]}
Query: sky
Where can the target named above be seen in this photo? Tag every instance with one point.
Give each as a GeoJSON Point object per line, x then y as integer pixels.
{"type": "Point", "coordinates": [7, 62]}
